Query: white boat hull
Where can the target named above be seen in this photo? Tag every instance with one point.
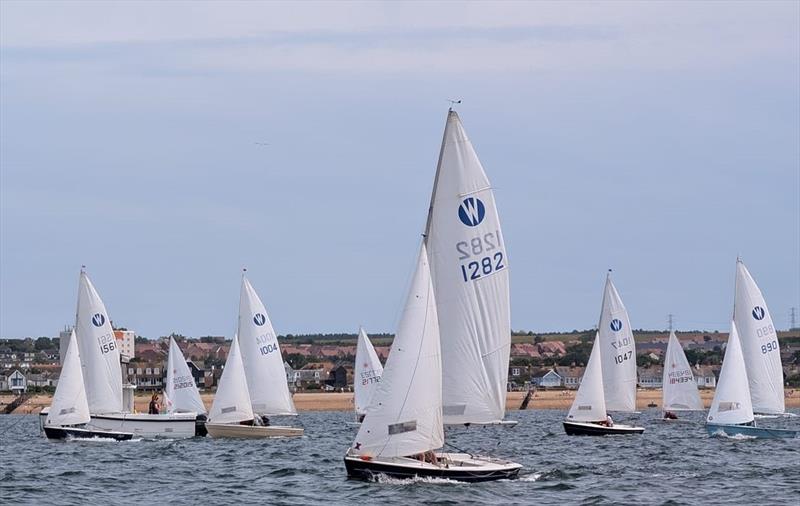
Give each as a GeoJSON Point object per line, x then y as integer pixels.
{"type": "Point", "coordinates": [173, 426]}
{"type": "Point", "coordinates": [231, 430]}
{"type": "Point", "coordinates": [452, 466]}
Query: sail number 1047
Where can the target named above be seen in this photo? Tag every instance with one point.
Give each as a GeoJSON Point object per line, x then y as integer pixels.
{"type": "Point", "coordinates": [481, 256]}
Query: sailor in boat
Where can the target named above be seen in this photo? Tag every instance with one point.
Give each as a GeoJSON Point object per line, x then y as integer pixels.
{"type": "Point", "coordinates": [669, 415]}
{"type": "Point", "coordinates": [155, 406]}
{"type": "Point", "coordinates": [608, 422]}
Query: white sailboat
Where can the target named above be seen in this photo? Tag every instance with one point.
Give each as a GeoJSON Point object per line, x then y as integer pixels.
{"type": "Point", "coordinates": [731, 412]}
{"type": "Point", "coordinates": [403, 425]}
{"type": "Point", "coordinates": [469, 267]}
{"type": "Point", "coordinates": [588, 415]}
{"type": "Point", "coordinates": [368, 372]}
{"type": "Point", "coordinates": [263, 363]}
{"type": "Point", "coordinates": [679, 388]}
{"type": "Point", "coordinates": [180, 392]}
{"type": "Point", "coordinates": [68, 415]}
{"type": "Point", "coordinates": [102, 375]}
{"type": "Point", "coordinates": [618, 352]}
{"type": "Point", "coordinates": [759, 341]}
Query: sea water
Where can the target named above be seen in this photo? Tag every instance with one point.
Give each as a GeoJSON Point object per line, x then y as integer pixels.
{"type": "Point", "coordinates": [671, 463]}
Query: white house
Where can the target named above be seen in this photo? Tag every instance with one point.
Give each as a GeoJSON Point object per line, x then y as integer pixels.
{"type": "Point", "coordinates": [15, 381]}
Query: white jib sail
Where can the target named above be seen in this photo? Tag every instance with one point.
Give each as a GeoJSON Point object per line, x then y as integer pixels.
{"type": "Point", "coordinates": [261, 355]}
{"type": "Point", "coordinates": [69, 406]}
{"type": "Point", "coordinates": [180, 392]}
{"type": "Point", "coordinates": [618, 352]}
{"type": "Point", "coordinates": [368, 372]}
{"type": "Point", "coordinates": [678, 385]}
{"type": "Point", "coordinates": [590, 403]}
{"type": "Point", "coordinates": [762, 355]}
{"type": "Point", "coordinates": [102, 375]}
{"type": "Point", "coordinates": [405, 415]}
{"type": "Point", "coordinates": [469, 266]}
{"type": "Point", "coordinates": [232, 402]}
{"type": "Point", "coordinates": [731, 404]}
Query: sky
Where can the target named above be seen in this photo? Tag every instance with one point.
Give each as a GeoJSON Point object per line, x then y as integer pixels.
{"type": "Point", "coordinates": [168, 145]}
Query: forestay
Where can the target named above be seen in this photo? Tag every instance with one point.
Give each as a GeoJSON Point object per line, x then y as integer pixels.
{"type": "Point", "coordinates": [469, 266]}
{"type": "Point", "coordinates": [678, 385]}
{"type": "Point", "coordinates": [232, 402]}
{"type": "Point", "coordinates": [69, 406]}
{"type": "Point", "coordinates": [102, 375]}
{"type": "Point", "coordinates": [261, 355]}
{"type": "Point", "coordinates": [589, 404]}
{"type": "Point", "coordinates": [368, 372]}
{"type": "Point", "coordinates": [731, 404]}
{"type": "Point", "coordinates": [618, 352]}
{"type": "Point", "coordinates": [405, 415]}
{"type": "Point", "coordinates": [180, 392]}
{"type": "Point", "coordinates": [762, 355]}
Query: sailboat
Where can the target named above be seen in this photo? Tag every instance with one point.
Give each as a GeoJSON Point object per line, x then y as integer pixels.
{"type": "Point", "coordinates": [68, 415]}
{"type": "Point", "coordinates": [256, 379]}
{"type": "Point", "coordinates": [368, 373]}
{"type": "Point", "coordinates": [678, 385]}
{"type": "Point", "coordinates": [470, 272]}
{"type": "Point", "coordinates": [617, 352]}
{"type": "Point", "coordinates": [403, 425]}
{"type": "Point", "coordinates": [731, 412]}
{"type": "Point", "coordinates": [588, 415]}
{"type": "Point", "coordinates": [102, 375]}
{"type": "Point", "coordinates": [759, 342]}
{"type": "Point", "coordinates": [180, 391]}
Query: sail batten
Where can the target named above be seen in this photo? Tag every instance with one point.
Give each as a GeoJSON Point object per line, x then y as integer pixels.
{"type": "Point", "coordinates": [469, 266]}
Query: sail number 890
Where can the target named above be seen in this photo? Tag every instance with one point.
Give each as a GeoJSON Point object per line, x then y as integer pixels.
{"type": "Point", "coordinates": [771, 346]}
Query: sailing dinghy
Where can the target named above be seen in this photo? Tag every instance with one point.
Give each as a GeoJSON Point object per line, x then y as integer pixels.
{"type": "Point", "coordinates": [731, 412]}
{"type": "Point", "coordinates": [368, 373]}
{"type": "Point", "coordinates": [588, 415]}
{"type": "Point", "coordinates": [180, 391]}
{"type": "Point", "coordinates": [102, 376]}
{"type": "Point", "coordinates": [403, 426]}
{"type": "Point", "coordinates": [68, 415]}
{"type": "Point", "coordinates": [762, 357]}
{"type": "Point", "coordinates": [679, 389]}
{"type": "Point", "coordinates": [617, 352]}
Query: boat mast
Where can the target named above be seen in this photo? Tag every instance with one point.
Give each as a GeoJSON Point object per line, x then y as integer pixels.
{"type": "Point", "coordinates": [436, 178]}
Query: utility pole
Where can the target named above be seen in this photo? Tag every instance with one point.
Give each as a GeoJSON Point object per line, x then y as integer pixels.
{"type": "Point", "coordinates": [669, 320]}
{"type": "Point", "coordinates": [792, 320]}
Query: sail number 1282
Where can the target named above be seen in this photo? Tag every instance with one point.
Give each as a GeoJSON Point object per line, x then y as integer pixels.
{"type": "Point", "coordinates": [483, 254]}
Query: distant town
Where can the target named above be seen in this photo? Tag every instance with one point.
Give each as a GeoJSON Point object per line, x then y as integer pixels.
{"type": "Point", "coordinates": [324, 362]}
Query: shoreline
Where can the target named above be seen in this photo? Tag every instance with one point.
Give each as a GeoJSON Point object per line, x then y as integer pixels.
{"type": "Point", "coordinates": [334, 401]}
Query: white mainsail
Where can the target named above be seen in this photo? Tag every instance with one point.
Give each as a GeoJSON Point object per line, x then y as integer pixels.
{"type": "Point", "coordinates": [261, 355]}
{"type": "Point", "coordinates": [232, 402]}
{"type": "Point", "coordinates": [99, 354]}
{"type": "Point", "coordinates": [180, 392]}
{"type": "Point", "coordinates": [469, 267]}
{"type": "Point", "coordinates": [69, 406]}
{"type": "Point", "coordinates": [368, 372]}
{"type": "Point", "coordinates": [732, 404]}
{"type": "Point", "coordinates": [405, 415]}
{"type": "Point", "coordinates": [618, 352]}
{"type": "Point", "coordinates": [762, 355]}
{"type": "Point", "coordinates": [679, 388]}
{"type": "Point", "coordinates": [590, 403]}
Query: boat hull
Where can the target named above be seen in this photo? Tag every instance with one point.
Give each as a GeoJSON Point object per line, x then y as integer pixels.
{"type": "Point", "coordinates": [749, 431]}
{"type": "Point", "coordinates": [54, 432]}
{"type": "Point", "coordinates": [230, 430]}
{"type": "Point", "coordinates": [173, 426]}
{"type": "Point", "coordinates": [593, 429]}
{"type": "Point", "coordinates": [460, 467]}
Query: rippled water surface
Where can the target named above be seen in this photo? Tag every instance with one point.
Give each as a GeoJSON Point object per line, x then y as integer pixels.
{"type": "Point", "coordinates": [670, 464]}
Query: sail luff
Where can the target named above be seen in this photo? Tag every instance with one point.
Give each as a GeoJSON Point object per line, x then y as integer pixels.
{"type": "Point", "coordinates": [436, 177]}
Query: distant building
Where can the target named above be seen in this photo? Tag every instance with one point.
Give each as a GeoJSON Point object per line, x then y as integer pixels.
{"type": "Point", "coordinates": [126, 344]}
{"type": "Point", "coordinates": [650, 377]}
{"type": "Point", "coordinates": [571, 376]}
{"type": "Point", "coordinates": [13, 381]}
{"type": "Point", "coordinates": [63, 343]}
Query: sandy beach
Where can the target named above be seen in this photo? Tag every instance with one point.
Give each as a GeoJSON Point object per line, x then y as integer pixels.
{"type": "Point", "coordinates": [329, 401]}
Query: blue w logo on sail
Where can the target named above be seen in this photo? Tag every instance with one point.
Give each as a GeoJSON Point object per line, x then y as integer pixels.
{"type": "Point", "coordinates": [616, 325]}
{"type": "Point", "coordinates": [98, 320]}
{"type": "Point", "coordinates": [259, 319]}
{"type": "Point", "coordinates": [471, 212]}
{"type": "Point", "coordinates": [759, 313]}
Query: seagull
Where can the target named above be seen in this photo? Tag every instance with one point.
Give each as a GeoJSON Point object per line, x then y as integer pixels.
{"type": "Point", "coordinates": [453, 101]}
{"type": "Point", "coordinates": [262, 143]}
